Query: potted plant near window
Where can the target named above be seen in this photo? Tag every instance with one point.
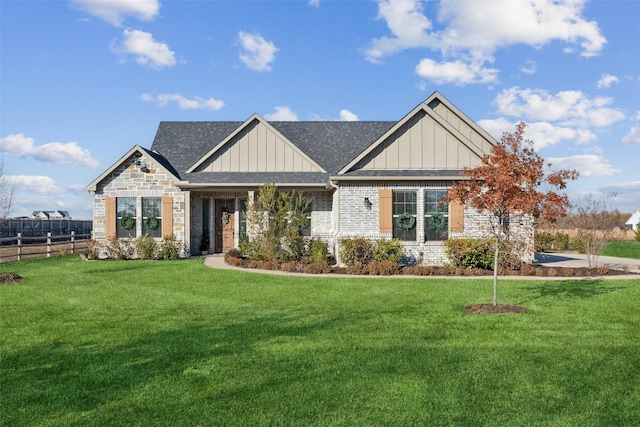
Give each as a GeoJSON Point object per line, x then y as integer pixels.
{"type": "Point", "coordinates": [204, 243]}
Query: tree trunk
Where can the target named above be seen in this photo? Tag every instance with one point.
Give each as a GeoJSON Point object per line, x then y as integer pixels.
{"type": "Point", "coordinates": [495, 275]}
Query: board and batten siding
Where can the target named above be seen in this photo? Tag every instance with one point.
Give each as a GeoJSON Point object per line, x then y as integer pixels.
{"type": "Point", "coordinates": [257, 148]}
{"type": "Point", "coordinates": [420, 143]}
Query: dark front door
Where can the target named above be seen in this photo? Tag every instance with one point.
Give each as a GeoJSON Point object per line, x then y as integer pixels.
{"type": "Point", "coordinates": [224, 221]}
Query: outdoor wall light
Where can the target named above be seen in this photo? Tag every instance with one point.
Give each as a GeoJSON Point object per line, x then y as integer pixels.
{"type": "Point", "coordinates": [367, 203]}
{"type": "Point", "coordinates": [142, 165]}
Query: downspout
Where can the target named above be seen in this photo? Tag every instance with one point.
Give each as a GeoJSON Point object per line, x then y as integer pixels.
{"type": "Point", "coordinates": [335, 223]}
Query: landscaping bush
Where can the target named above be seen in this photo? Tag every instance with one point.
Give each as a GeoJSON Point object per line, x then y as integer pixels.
{"type": "Point", "coordinates": [561, 241]}
{"type": "Point", "coordinates": [387, 250]}
{"type": "Point", "coordinates": [170, 247]}
{"type": "Point", "coordinates": [318, 267]}
{"type": "Point", "coordinates": [318, 251]}
{"type": "Point", "coordinates": [382, 268]}
{"type": "Point", "coordinates": [147, 247]}
{"type": "Point", "coordinates": [232, 253]}
{"type": "Point", "coordinates": [543, 241]}
{"type": "Point", "coordinates": [119, 248]}
{"type": "Point", "coordinates": [471, 253]}
{"type": "Point", "coordinates": [578, 245]}
{"type": "Point", "coordinates": [637, 233]}
{"type": "Point", "coordinates": [355, 251]}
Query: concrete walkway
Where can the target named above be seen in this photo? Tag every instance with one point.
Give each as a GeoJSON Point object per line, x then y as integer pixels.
{"type": "Point", "coordinates": [559, 260]}
{"type": "Point", "coordinates": [580, 260]}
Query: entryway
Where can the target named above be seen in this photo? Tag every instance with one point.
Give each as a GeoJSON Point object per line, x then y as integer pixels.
{"type": "Point", "coordinates": [224, 225]}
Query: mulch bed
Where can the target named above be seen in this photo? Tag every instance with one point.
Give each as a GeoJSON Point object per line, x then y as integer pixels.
{"type": "Point", "coordinates": [6, 278]}
{"type": "Point", "coordinates": [495, 309]}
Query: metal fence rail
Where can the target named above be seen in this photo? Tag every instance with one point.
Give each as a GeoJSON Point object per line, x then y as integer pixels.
{"type": "Point", "coordinates": [35, 228]}
{"type": "Point", "coordinates": [19, 247]}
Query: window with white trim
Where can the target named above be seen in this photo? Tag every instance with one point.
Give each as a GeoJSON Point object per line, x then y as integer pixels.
{"type": "Point", "coordinates": [404, 214]}
{"type": "Point", "coordinates": [436, 215]}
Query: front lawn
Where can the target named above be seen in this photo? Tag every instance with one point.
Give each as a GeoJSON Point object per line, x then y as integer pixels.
{"type": "Point", "coordinates": [622, 249]}
{"type": "Point", "coordinates": [176, 343]}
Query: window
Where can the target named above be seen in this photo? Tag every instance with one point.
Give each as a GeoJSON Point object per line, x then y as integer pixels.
{"type": "Point", "coordinates": [152, 216]}
{"type": "Point", "coordinates": [126, 217]}
{"type": "Point", "coordinates": [243, 219]}
{"type": "Point", "coordinates": [436, 215]}
{"type": "Point", "coordinates": [404, 215]}
{"type": "Point", "coordinates": [306, 228]}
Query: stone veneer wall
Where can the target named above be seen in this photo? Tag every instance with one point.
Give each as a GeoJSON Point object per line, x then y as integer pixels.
{"type": "Point", "coordinates": [128, 181]}
{"type": "Point", "coordinates": [357, 220]}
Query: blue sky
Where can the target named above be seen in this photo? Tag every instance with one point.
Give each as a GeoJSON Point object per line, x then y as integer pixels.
{"type": "Point", "coordinates": [83, 81]}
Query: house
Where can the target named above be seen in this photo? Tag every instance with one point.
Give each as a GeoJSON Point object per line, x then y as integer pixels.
{"type": "Point", "coordinates": [634, 220]}
{"type": "Point", "coordinates": [50, 215]}
{"type": "Point", "coordinates": [374, 179]}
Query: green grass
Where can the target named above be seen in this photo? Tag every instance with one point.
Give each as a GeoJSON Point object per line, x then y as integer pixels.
{"type": "Point", "coordinates": [623, 249]}
{"type": "Point", "coordinates": [159, 343]}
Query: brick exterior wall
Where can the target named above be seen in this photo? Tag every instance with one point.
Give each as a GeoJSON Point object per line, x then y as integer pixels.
{"type": "Point", "coordinates": [355, 219]}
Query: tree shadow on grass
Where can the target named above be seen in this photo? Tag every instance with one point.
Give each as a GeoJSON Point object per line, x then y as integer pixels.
{"type": "Point", "coordinates": [570, 289]}
{"type": "Point", "coordinates": [66, 377]}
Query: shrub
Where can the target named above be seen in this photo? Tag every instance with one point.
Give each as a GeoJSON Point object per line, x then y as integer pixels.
{"type": "Point", "coordinates": [232, 254]}
{"type": "Point", "coordinates": [578, 245]}
{"type": "Point", "coordinates": [637, 233]}
{"type": "Point", "coordinates": [527, 269]}
{"type": "Point", "coordinates": [471, 253]}
{"type": "Point", "coordinates": [479, 253]}
{"type": "Point", "coordinates": [357, 269]}
{"type": "Point", "coordinates": [562, 241]}
{"type": "Point", "coordinates": [318, 251]}
{"type": "Point", "coordinates": [170, 247]}
{"type": "Point", "coordinates": [355, 251]}
{"type": "Point", "coordinates": [93, 249]}
{"type": "Point", "coordinates": [119, 248]}
{"type": "Point", "coordinates": [290, 266]}
{"type": "Point", "coordinates": [387, 250]}
{"type": "Point", "coordinates": [382, 268]}
{"type": "Point", "coordinates": [318, 267]}
{"type": "Point", "coordinates": [147, 247]}
{"type": "Point", "coordinates": [543, 241]}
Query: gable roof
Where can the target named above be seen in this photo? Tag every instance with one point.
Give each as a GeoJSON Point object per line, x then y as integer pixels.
{"type": "Point", "coordinates": [255, 151]}
{"type": "Point", "coordinates": [434, 139]}
{"type": "Point", "coordinates": [136, 150]}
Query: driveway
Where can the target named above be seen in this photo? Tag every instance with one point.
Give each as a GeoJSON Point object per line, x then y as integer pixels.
{"type": "Point", "coordinates": [580, 260]}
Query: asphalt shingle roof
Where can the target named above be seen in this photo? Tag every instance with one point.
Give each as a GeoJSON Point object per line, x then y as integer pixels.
{"type": "Point", "coordinates": [331, 144]}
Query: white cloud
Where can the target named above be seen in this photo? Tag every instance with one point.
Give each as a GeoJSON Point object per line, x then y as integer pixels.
{"type": "Point", "coordinates": [587, 164]}
{"type": "Point", "coordinates": [606, 80]}
{"type": "Point", "coordinates": [282, 114]}
{"type": "Point", "coordinates": [408, 26]}
{"type": "Point", "coordinates": [257, 53]}
{"type": "Point", "coordinates": [568, 107]}
{"type": "Point", "coordinates": [529, 67]}
{"type": "Point", "coordinates": [487, 25]}
{"type": "Point", "coordinates": [456, 72]}
{"type": "Point", "coordinates": [145, 49]}
{"type": "Point", "coordinates": [33, 183]}
{"type": "Point", "coordinates": [314, 3]}
{"type": "Point", "coordinates": [348, 116]}
{"type": "Point", "coordinates": [54, 152]}
{"type": "Point", "coordinates": [469, 33]}
{"type": "Point", "coordinates": [197, 103]}
{"type": "Point", "coordinates": [633, 137]}
{"type": "Point", "coordinates": [115, 11]}
{"type": "Point", "coordinates": [542, 134]}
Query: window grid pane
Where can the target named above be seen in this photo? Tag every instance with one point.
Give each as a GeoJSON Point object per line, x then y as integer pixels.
{"type": "Point", "coordinates": [125, 206]}
{"type": "Point", "coordinates": [431, 207]}
{"type": "Point", "coordinates": [404, 202]}
{"type": "Point", "coordinates": [152, 206]}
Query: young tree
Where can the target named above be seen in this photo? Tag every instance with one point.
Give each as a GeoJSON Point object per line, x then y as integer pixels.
{"type": "Point", "coordinates": [507, 188]}
{"type": "Point", "coordinates": [274, 221]}
{"type": "Point", "coordinates": [595, 227]}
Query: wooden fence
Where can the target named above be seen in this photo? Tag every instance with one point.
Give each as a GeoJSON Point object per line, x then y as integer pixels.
{"type": "Point", "coordinates": [21, 247]}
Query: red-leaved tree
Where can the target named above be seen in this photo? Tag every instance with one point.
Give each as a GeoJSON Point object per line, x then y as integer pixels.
{"type": "Point", "coordinates": [508, 187]}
